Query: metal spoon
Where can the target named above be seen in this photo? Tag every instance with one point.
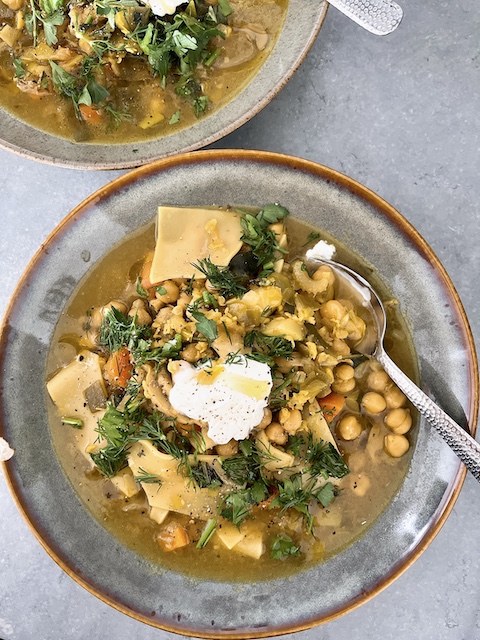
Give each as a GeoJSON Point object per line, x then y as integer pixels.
{"type": "Point", "coordinates": [466, 448]}
{"type": "Point", "coordinates": [380, 17]}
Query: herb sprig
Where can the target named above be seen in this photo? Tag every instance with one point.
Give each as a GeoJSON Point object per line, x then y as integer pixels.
{"type": "Point", "coordinates": [266, 348]}
{"type": "Point", "coordinates": [221, 279]}
{"type": "Point", "coordinates": [261, 239]}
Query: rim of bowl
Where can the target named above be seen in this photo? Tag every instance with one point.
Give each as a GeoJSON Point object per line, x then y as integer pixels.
{"type": "Point", "coordinates": [420, 244]}
{"type": "Point", "coordinates": [234, 122]}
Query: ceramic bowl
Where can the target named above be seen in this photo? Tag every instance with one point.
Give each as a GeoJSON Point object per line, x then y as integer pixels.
{"type": "Point", "coordinates": [82, 547]}
{"type": "Point", "coordinates": [302, 24]}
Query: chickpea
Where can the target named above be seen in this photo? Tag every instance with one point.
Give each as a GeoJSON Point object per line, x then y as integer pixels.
{"type": "Point", "coordinates": [229, 449]}
{"type": "Point", "coordinates": [290, 420]}
{"type": "Point", "coordinates": [349, 427]}
{"type": "Point", "coordinates": [276, 434]}
{"type": "Point", "coordinates": [340, 347]}
{"type": "Point", "coordinates": [396, 445]}
{"type": "Point", "coordinates": [398, 420]}
{"type": "Point", "coordinates": [139, 312]}
{"type": "Point", "coordinates": [163, 316]}
{"type": "Point", "coordinates": [333, 310]}
{"type": "Point", "coordinates": [344, 386]}
{"type": "Point", "coordinates": [373, 402]}
{"type": "Point", "coordinates": [98, 313]}
{"type": "Point", "coordinates": [190, 353]}
{"type": "Point", "coordinates": [344, 372]}
{"type": "Point", "coordinates": [156, 304]}
{"type": "Point", "coordinates": [117, 304]}
{"type": "Point", "coordinates": [266, 420]}
{"type": "Point", "coordinates": [172, 292]}
{"type": "Point", "coordinates": [209, 287]}
{"type": "Point", "coordinates": [323, 272]}
{"type": "Point", "coordinates": [377, 380]}
{"type": "Point", "coordinates": [394, 397]}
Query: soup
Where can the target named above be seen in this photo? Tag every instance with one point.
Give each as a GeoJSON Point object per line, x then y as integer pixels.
{"type": "Point", "coordinates": [112, 71]}
{"type": "Point", "coordinates": [210, 404]}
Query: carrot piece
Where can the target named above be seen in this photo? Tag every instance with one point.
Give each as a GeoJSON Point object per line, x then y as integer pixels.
{"type": "Point", "coordinates": [90, 115]}
{"type": "Point", "coordinates": [331, 405]}
{"type": "Point", "coordinates": [145, 279]}
{"type": "Point", "coordinates": [173, 536]}
{"type": "Point", "coordinates": [145, 275]}
{"type": "Point", "coordinates": [118, 368]}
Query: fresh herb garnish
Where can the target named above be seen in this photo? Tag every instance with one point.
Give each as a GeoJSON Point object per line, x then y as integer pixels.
{"type": "Point", "coordinates": [207, 533]}
{"type": "Point", "coordinates": [311, 237]}
{"type": "Point", "coordinates": [265, 348]}
{"type": "Point", "coordinates": [206, 327]}
{"type": "Point", "coordinates": [238, 504]}
{"type": "Point", "coordinates": [111, 459]}
{"type": "Point", "coordinates": [283, 547]}
{"type": "Point", "coordinates": [221, 279]}
{"type": "Point", "coordinates": [175, 117]}
{"type": "Point", "coordinates": [148, 478]}
{"type": "Point", "coordinates": [261, 239]}
{"type": "Point", "coordinates": [292, 495]}
{"type": "Point", "coordinates": [203, 475]}
{"type": "Point", "coordinates": [76, 423]}
{"type": "Point", "coordinates": [140, 290]}
{"type": "Point", "coordinates": [295, 493]}
{"type": "Point", "coordinates": [324, 460]}
{"type": "Point", "coordinates": [18, 67]}
{"type": "Point", "coordinates": [118, 330]}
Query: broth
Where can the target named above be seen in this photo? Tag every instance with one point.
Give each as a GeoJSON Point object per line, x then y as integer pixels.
{"type": "Point", "coordinates": [374, 478]}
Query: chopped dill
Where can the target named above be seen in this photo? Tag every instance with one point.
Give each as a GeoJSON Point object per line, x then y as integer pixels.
{"type": "Point", "coordinates": [148, 478]}
{"type": "Point", "coordinates": [118, 330]}
{"type": "Point", "coordinates": [266, 348]}
{"type": "Point", "coordinates": [221, 279]}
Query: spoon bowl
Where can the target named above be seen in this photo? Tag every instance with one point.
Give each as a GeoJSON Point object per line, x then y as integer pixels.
{"type": "Point", "coordinates": [462, 443]}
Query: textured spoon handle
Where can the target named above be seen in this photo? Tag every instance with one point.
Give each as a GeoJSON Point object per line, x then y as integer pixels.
{"type": "Point", "coordinates": [466, 448]}
{"type": "Point", "coordinates": [377, 16]}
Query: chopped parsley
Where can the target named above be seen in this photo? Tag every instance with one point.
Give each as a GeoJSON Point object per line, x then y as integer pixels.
{"type": "Point", "coordinates": [206, 327]}
{"type": "Point", "coordinates": [283, 547]}
{"type": "Point", "coordinates": [260, 238]}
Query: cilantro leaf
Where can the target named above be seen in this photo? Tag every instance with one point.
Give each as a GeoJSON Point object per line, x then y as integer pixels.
{"type": "Point", "coordinates": [325, 495]}
{"type": "Point", "coordinates": [206, 327]}
{"type": "Point", "coordinates": [18, 66]}
{"type": "Point", "coordinates": [283, 547]}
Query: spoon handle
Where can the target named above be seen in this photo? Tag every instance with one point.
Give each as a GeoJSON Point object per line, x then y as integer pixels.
{"type": "Point", "coordinates": [380, 17]}
{"type": "Point", "coordinates": [466, 448]}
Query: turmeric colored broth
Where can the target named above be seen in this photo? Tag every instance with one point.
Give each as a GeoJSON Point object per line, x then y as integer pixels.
{"type": "Point", "coordinates": [147, 110]}
{"type": "Point", "coordinates": [365, 492]}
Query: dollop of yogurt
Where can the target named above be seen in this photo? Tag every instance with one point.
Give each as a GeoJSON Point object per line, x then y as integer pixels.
{"type": "Point", "coordinates": [163, 7]}
{"type": "Point", "coordinates": [323, 250]}
{"type": "Point", "coordinates": [229, 397]}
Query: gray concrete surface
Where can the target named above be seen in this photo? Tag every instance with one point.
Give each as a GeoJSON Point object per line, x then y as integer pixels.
{"type": "Point", "coordinates": [399, 114]}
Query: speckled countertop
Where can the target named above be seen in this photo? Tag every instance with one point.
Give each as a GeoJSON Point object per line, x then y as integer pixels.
{"type": "Point", "coordinates": [399, 114]}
